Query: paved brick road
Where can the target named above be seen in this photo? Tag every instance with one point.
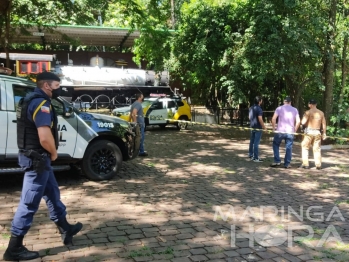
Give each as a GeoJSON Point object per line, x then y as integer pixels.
{"type": "Point", "coordinates": [163, 207]}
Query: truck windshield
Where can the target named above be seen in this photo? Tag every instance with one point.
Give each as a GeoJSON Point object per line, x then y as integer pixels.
{"type": "Point", "coordinates": [147, 103]}
{"type": "Point", "coordinates": [67, 104]}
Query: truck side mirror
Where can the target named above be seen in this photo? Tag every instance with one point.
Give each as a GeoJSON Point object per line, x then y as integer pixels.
{"type": "Point", "coordinates": [68, 111]}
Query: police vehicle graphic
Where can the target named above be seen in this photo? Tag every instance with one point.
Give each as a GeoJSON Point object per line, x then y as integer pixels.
{"type": "Point", "coordinates": [97, 143]}
{"type": "Point", "coordinates": [161, 110]}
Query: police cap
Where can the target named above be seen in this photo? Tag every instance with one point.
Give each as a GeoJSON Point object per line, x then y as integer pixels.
{"type": "Point", "coordinates": [47, 76]}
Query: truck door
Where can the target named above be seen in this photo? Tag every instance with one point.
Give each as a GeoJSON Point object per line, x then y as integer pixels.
{"type": "Point", "coordinates": [158, 113]}
{"type": "Point", "coordinates": [3, 119]}
{"type": "Point", "coordinates": [67, 131]}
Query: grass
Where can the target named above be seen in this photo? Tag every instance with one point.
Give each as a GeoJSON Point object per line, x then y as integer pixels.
{"type": "Point", "coordinates": [302, 241]}
{"type": "Point", "coordinates": [219, 250]}
{"type": "Point", "coordinates": [6, 235]}
{"type": "Point", "coordinates": [308, 175]}
{"type": "Point", "coordinates": [215, 179]}
{"type": "Point", "coordinates": [219, 218]}
{"type": "Point", "coordinates": [146, 252]}
{"type": "Point", "coordinates": [325, 186]}
{"type": "Point", "coordinates": [47, 251]}
{"type": "Point", "coordinates": [280, 226]}
{"type": "Point", "coordinates": [122, 241]}
{"type": "Point", "coordinates": [229, 171]}
{"type": "Point", "coordinates": [142, 252]}
{"type": "Point", "coordinates": [319, 231]}
{"type": "Point", "coordinates": [329, 253]}
{"type": "Point", "coordinates": [338, 202]}
{"type": "Point", "coordinates": [339, 253]}
{"type": "Point", "coordinates": [150, 164]}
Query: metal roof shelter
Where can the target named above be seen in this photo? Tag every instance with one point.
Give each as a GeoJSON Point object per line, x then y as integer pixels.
{"type": "Point", "coordinates": [84, 35]}
{"type": "Point", "coordinates": [31, 57]}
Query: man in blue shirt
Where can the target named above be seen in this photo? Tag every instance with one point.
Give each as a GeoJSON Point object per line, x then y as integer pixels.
{"type": "Point", "coordinates": [256, 122]}
{"type": "Point", "coordinates": [37, 139]}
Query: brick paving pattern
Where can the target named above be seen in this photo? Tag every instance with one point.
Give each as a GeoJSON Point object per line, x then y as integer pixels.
{"type": "Point", "coordinates": [162, 207]}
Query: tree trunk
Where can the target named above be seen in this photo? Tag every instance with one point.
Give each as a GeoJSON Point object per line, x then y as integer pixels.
{"type": "Point", "coordinates": [173, 15]}
{"type": "Point", "coordinates": [344, 70]}
{"type": "Point", "coordinates": [7, 33]}
{"type": "Point", "coordinates": [329, 65]}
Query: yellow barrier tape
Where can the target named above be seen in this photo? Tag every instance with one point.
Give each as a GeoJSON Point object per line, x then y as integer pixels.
{"type": "Point", "coordinates": [249, 128]}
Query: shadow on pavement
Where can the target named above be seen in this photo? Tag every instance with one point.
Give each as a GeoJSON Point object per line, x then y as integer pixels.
{"type": "Point", "coordinates": [181, 202]}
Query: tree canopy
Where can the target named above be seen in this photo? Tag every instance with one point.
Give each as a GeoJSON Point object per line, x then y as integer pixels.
{"type": "Point", "coordinates": [223, 51]}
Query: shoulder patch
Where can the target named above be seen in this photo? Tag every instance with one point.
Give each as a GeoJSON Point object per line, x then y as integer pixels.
{"type": "Point", "coordinates": [45, 109]}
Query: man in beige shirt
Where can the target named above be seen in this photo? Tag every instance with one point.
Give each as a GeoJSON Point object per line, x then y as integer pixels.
{"type": "Point", "coordinates": [314, 120]}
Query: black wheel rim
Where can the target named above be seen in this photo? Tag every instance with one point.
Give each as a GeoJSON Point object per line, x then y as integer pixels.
{"type": "Point", "coordinates": [103, 161]}
{"type": "Point", "coordinates": [182, 125]}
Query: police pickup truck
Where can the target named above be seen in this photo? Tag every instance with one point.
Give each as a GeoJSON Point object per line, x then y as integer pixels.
{"type": "Point", "coordinates": [97, 143]}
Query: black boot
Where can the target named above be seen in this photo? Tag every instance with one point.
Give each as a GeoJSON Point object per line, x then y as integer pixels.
{"type": "Point", "coordinates": [16, 251]}
{"type": "Point", "coordinates": [67, 231]}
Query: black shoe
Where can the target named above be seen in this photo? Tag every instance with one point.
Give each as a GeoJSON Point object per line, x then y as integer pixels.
{"type": "Point", "coordinates": [318, 167]}
{"type": "Point", "coordinates": [68, 231]}
{"type": "Point", "coordinates": [19, 253]}
{"type": "Point", "coordinates": [305, 167]}
{"type": "Point", "coordinates": [275, 165]}
{"type": "Point", "coordinates": [143, 154]}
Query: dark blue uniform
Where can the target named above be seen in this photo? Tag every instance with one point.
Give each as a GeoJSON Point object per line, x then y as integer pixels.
{"type": "Point", "coordinates": [37, 186]}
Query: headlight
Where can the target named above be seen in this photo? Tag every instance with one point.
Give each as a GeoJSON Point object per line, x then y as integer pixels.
{"type": "Point", "coordinates": [126, 125]}
{"type": "Point", "coordinates": [121, 113]}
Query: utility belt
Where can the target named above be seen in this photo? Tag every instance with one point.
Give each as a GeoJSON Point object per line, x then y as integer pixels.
{"type": "Point", "coordinates": [39, 151]}
{"type": "Point", "coordinates": [38, 156]}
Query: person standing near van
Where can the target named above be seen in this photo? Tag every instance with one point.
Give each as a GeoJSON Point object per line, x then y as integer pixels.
{"type": "Point", "coordinates": [256, 122]}
{"type": "Point", "coordinates": [136, 115]}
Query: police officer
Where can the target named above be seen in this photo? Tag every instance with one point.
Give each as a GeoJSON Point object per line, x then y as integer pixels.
{"type": "Point", "coordinates": [314, 120]}
{"type": "Point", "coordinates": [37, 139]}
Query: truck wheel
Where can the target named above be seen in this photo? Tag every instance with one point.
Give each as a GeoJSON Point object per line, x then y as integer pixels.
{"type": "Point", "coordinates": [162, 126]}
{"type": "Point", "coordinates": [102, 160]}
{"type": "Point", "coordinates": [181, 125]}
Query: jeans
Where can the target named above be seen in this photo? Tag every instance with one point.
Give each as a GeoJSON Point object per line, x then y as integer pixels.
{"type": "Point", "coordinates": [255, 138]}
{"type": "Point", "coordinates": [141, 147]}
{"type": "Point", "coordinates": [276, 145]}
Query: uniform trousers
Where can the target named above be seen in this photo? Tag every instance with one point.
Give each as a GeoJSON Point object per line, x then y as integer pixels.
{"type": "Point", "coordinates": [35, 187]}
